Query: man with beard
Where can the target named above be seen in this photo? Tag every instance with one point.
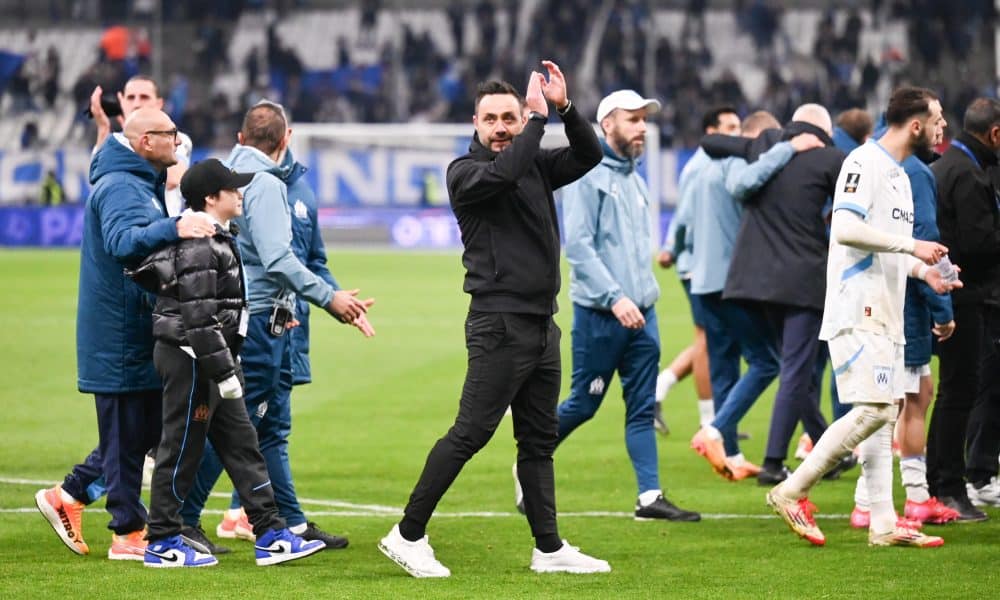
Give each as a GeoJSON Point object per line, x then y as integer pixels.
{"type": "Point", "coordinates": [872, 252]}
{"type": "Point", "coordinates": [501, 193]}
{"type": "Point", "coordinates": [608, 246]}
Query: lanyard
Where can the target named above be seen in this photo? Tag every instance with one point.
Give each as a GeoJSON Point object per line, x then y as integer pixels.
{"type": "Point", "coordinates": [968, 152]}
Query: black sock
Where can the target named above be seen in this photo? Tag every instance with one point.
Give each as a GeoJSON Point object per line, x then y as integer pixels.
{"type": "Point", "coordinates": [773, 464]}
{"type": "Point", "coordinates": [411, 530]}
{"type": "Point", "coordinates": [548, 543]}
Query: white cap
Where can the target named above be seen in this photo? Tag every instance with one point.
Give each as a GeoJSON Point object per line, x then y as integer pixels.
{"type": "Point", "coordinates": [627, 99]}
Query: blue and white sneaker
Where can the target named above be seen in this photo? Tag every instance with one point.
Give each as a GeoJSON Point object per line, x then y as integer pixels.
{"type": "Point", "coordinates": [173, 552]}
{"type": "Point", "coordinates": [281, 545]}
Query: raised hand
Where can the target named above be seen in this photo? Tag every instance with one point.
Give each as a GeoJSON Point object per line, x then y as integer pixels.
{"type": "Point", "coordinates": [534, 100]}
{"type": "Point", "coordinates": [555, 88]}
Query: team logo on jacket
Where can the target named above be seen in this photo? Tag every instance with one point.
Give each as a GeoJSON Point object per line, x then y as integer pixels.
{"type": "Point", "coordinates": [597, 386]}
{"type": "Point", "coordinates": [882, 375]}
{"type": "Point", "coordinates": [200, 413]}
{"type": "Point", "coordinates": [851, 185]}
{"type": "Point", "coordinates": [300, 210]}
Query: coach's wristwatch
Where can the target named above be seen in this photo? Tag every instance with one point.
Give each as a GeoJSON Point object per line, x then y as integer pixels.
{"type": "Point", "coordinates": [537, 115]}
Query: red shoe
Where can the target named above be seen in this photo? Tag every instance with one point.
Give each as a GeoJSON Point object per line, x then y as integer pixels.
{"type": "Point", "coordinates": [931, 511]}
{"type": "Point", "coordinates": [804, 448]}
{"type": "Point", "coordinates": [798, 515]}
{"type": "Point", "coordinates": [713, 452]}
{"type": "Point", "coordinates": [742, 470]}
{"type": "Point", "coordinates": [860, 519]}
{"type": "Point", "coordinates": [131, 546]}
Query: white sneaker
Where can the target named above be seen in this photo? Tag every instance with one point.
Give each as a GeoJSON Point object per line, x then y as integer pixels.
{"type": "Point", "coordinates": [988, 495]}
{"type": "Point", "coordinates": [518, 492]}
{"type": "Point", "coordinates": [567, 559]}
{"type": "Point", "coordinates": [416, 558]}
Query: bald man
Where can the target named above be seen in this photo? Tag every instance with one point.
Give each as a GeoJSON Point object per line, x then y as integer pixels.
{"type": "Point", "coordinates": [124, 221]}
{"type": "Point", "coordinates": [784, 221]}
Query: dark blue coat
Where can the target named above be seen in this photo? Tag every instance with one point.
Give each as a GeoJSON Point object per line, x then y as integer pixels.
{"type": "Point", "coordinates": [124, 221]}
{"type": "Point", "coordinates": [923, 307]}
{"type": "Point", "coordinates": [307, 245]}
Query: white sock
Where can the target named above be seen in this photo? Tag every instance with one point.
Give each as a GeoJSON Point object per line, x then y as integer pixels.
{"type": "Point", "coordinates": [861, 499]}
{"type": "Point", "coordinates": [649, 496]}
{"type": "Point", "coordinates": [712, 432]}
{"type": "Point", "coordinates": [841, 437]}
{"type": "Point", "coordinates": [706, 411]}
{"type": "Point", "coordinates": [737, 459]}
{"type": "Point", "coordinates": [913, 472]}
{"type": "Point", "coordinates": [301, 527]}
{"type": "Point", "coordinates": [66, 496]}
{"type": "Point", "coordinates": [234, 513]}
{"type": "Point", "coordinates": [876, 456]}
{"type": "Point", "coordinates": [664, 382]}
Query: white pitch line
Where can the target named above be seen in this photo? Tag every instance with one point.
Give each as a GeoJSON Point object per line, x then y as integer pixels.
{"type": "Point", "coordinates": [378, 510]}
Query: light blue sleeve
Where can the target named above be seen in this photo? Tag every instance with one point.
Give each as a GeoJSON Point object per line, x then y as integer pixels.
{"type": "Point", "coordinates": [270, 229]}
{"type": "Point", "coordinates": [743, 179]}
{"type": "Point", "coordinates": [592, 279]}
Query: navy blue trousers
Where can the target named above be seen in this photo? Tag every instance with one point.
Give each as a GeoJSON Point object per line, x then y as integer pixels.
{"type": "Point", "coordinates": [128, 426]}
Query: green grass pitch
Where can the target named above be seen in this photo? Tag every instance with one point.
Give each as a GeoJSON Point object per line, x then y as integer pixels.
{"type": "Point", "coordinates": [361, 433]}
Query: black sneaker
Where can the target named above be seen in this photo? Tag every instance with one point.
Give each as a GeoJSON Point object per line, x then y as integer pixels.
{"type": "Point", "coordinates": [196, 538]}
{"type": "Point", "coordinates": [967, 513]}
{"type": "Point", "coordinates": [658, 423]}
{"type": "Point", "coordinates": [771, 477]}
{"type": "Point", "coordinates": [313, 532]}
{"type": "Point", "coordinates": [847, 463]}
{"type": "Point", "coordinates": [661, 508]}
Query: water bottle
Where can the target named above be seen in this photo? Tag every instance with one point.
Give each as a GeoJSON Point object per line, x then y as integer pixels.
{"type": "Point", "coordinates": [947, 270]}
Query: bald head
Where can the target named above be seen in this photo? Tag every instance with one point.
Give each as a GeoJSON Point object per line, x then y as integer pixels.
{"type": "Point", "coordinates": [814, 114]}
{"type": "Point", "coordinates": [152, 135]}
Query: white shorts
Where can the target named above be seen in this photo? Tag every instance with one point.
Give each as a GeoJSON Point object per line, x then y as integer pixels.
{"type": "Point", "coordinates": [868, 366]}
{"type": "Point", "coordinates": [911, 381]}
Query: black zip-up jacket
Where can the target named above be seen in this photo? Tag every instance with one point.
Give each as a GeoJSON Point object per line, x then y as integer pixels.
{"type": "Point", "coordinates": [781, 248]}
{"type": "Point", "coordinates": [506, 213]}
{"type": "Point", "coordinates": [200, 297]}
{"type": "Point", "coordinates": [968, 215]}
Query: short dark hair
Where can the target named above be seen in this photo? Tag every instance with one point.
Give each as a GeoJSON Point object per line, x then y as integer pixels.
{"type": "Point", "coordinates": [857, 123]}
{"type": "Point", "coordinates": [711, 118]}
{"type": "Point", "coordinates": [908, 102]}
{"type": "Point", "coordinates": [982, 115]}
{"type": "Point", "coordinates": [156, 88]}
{"type": "Point", "coordinates": [264, 127]}
{"type": "Point", "coordinates": [495, 86]}
{"type": "Point", "coordinates": [196, 203]}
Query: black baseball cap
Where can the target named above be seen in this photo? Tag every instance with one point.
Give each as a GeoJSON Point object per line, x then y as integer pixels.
{"type": "Point", "coordinates": [208, 177]}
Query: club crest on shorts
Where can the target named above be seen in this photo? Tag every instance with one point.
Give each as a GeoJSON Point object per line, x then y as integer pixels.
{"type": "Point", "coordinates": [597, 386]}
{"type": "Point", "coordinates": [882, 376]}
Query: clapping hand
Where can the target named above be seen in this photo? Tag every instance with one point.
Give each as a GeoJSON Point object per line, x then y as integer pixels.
{"type": "Point", "coordinates": [555, 88]}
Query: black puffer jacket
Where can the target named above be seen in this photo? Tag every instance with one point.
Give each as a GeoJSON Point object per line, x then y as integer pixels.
{"type": "Point", "coordinates": [199, 284]}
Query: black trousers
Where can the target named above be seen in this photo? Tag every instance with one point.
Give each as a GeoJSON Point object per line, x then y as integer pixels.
{"type": "Point", "coordinates": [798, 394]}
{"type": "Point", "coordinates": [513, 361]}
{"type": "Point", "coordinates": [983, 436]}
{"type": "Point", "coordinates": [193, 411]}
{"type": "Point", "coordinates": [967, 404]}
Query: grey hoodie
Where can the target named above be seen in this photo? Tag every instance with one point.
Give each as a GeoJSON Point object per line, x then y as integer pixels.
{"type": "Point", "coordinates": [274, 274]}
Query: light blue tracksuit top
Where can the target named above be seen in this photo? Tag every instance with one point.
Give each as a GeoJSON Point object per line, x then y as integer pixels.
{"type": "Point", "coordinates": [720, 188]}
{"type": "Point", "coordinates": [609, 237]}
{"type": "Point", "coordinates": [682, 261]}
{"type": "Point", "coordinates": [274, 274]}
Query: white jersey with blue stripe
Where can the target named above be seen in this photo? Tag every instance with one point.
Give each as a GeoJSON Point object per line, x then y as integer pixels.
{"type": "Point", "coordinates": [865, 290]}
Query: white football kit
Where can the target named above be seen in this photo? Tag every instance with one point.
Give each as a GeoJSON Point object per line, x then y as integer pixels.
{"type": "Point", "coordinates": [173, 198]}
{"type": "Point", "coordinates": [863, 313]}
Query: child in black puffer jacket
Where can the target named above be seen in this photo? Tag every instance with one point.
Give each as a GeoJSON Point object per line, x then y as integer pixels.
{"type": "Point", "coordinates": [199, 323]}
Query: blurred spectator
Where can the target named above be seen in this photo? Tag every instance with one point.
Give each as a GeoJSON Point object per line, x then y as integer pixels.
{"type": "Point", "coordinates": [51, 192]}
